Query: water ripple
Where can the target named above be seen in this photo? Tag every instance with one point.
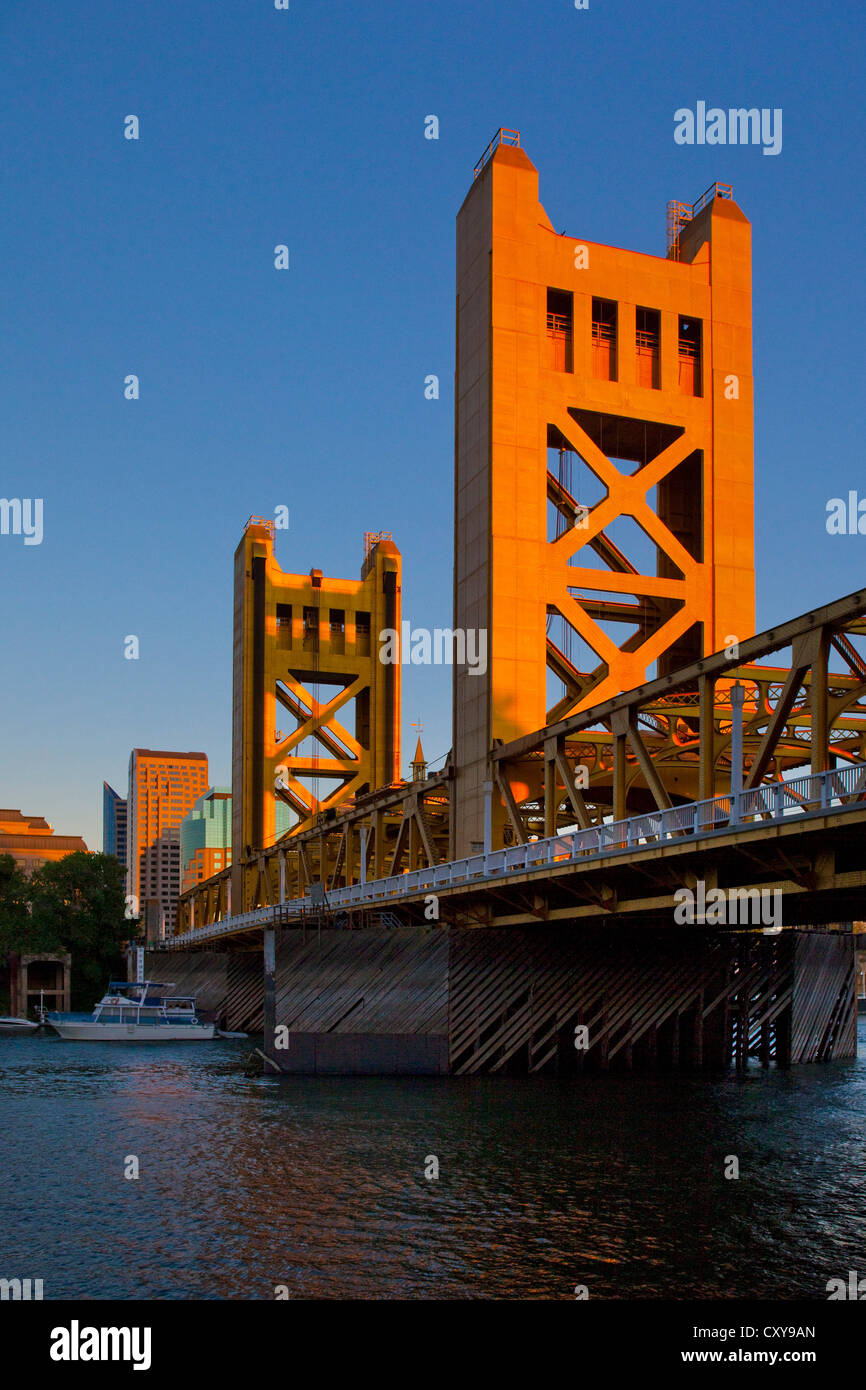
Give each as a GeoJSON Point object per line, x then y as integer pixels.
{"type": "Point", "coordinates": [616, 1183]}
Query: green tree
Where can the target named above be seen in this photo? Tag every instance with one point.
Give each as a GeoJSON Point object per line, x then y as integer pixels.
{"type": "Point", "coordinates": [78, 905]}
{"type": "Point", "coordinates": [14, 899]}
{"type": "Point", "coordinates": [14, 917]}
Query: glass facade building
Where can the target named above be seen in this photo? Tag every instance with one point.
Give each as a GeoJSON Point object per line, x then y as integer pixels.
{"type": "Point", "coordinates": [113, 823]}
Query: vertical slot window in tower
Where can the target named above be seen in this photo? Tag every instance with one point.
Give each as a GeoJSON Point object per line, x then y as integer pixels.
{"type": "Point", "coordinates": [689, 352]}
{"type": "Point", "coordinates": [284, 624]}
{"type": "Point", "coordinates": [560, 327]}
{"type": "Point", "coordinates": [338, 631]}
{"type": "Point", "coordinates": [604, 339]}
{"type": "Point", "coordinates": [646, 341]}
{"type": "Point", "coordinates": [311, 629]}
{"type": "Point", "coordinates": [362, 633]}
{"type": "Point", "coordinates": [362, 717]}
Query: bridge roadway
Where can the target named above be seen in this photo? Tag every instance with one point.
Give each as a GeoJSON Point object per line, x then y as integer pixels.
{"type": "Point", "coordinates": [804, 837]}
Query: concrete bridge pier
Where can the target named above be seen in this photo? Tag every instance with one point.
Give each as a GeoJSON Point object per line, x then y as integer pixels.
{"type": "Point", "coordinates": [545, 1000]}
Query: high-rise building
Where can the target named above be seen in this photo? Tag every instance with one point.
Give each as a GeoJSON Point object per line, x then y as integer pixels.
{"type": "Point", "coordinates": [206, 837]}
{"type": "Point", "coordinates": [31, 841]}
{"type": "Point", "coordinates": [113, 823]}
{"type": "Point", "coordinates": [163, 787]}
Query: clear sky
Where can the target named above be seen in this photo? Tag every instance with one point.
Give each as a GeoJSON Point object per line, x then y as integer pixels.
{"type": "Point", "coordinates": [305, 388]}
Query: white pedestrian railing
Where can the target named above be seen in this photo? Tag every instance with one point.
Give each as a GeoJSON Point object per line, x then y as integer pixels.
{"type": "Point", "coordinates": [840, 789]}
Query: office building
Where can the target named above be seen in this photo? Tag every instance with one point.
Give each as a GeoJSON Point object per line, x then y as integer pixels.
{"type": "Point", "coordinates": [31, 841]}
{"type": "Point", "coordinates": [163, 787]}
{"type": "Point", "coordinates": [206, 837]}
{"type": "Point", "coordinates": [113, 823]}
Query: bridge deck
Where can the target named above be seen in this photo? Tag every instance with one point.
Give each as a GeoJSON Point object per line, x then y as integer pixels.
{"type": "Point", "coordinates": [809, 829]}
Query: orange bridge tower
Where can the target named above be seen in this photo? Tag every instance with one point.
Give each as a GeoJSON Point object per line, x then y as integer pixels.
{"type": "Point", "coordinates": [604, 461]}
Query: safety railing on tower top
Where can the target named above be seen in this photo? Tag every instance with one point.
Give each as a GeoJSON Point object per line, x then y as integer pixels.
{"type": "Point", "coordinates": [372, 539]}
{"type": "Point", "coordinates": [814, 793]}
{"type": "Point", "coordinates": [680, 214]}
{"type": "Point", "coordinates": [502, 137]}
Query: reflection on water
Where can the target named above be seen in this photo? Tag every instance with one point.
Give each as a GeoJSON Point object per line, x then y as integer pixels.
{"type": "Point", "coordinates": [616, 1183]}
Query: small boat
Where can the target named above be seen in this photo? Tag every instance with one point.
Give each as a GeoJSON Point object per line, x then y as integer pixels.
{"type": "Point", "coordinates": [12, 1026]}
{"type": "Point", "coordinates": [130, 1011]}
{"type": "Point", "coordinates": [224, 1033]}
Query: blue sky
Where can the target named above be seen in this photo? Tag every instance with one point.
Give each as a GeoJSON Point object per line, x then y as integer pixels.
{"type": "Point", "coordinates": [306, 388]}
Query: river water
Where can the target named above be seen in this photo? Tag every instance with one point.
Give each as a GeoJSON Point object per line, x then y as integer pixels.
{"type": "Point", "coordinates": [317, 1186]}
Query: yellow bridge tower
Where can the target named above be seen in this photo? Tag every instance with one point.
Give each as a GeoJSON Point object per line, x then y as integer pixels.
{"type": "Point", "coordinates": [297, 636]}
{"type": "Point", "coordinates": [604, 471]}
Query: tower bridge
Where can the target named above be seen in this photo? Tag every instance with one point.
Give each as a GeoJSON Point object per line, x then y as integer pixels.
{"type": "Point", "coordinates": [630, 736]}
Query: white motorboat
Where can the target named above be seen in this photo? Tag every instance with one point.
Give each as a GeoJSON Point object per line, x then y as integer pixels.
{"type": "Point", "coordinates": [11, 1026]}
{"type": "Point", "coordinates": [132, 1012]}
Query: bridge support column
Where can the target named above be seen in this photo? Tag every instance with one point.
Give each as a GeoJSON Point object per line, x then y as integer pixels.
{"type": "Point", "coordinates": [270, 995]}
{"type": "Point", "coordinates": [738, 696]}
{"type": "Point", "coordinates": [706, 768]}
{"type": "Point", "coordinates": [488, 817]}
{"type": "Point", "coordinates": [818, 703]}
{"type": "Point", "coordinates": [549, 791]}
{"type": "Point", "coordinates": [619, 797]}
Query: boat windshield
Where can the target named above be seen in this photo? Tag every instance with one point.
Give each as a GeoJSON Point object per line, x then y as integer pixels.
{"type": "Point", "coordinates": [128, 1000]}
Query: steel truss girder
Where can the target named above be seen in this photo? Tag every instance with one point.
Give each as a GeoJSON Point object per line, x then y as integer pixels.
{"type": "Point", "coordinates": [671, 739]}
